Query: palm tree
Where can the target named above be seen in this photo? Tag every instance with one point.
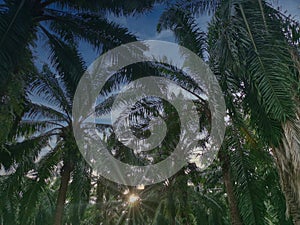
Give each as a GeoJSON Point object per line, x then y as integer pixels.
{"type": "Point", "coordinates": [264, 76]}
{"type": "Point", "coordinates": [255, 78]}
{"type": "Point", "coordinates": [47, 120]}
{"type": "Point", "coordinates": [62, 25]}
{"type": "Point", "coordinates": [256, 105]}
{"type": "Point", "coordinates": [143, 111]}
{"type": "Point", "coordinates": [174, 201]}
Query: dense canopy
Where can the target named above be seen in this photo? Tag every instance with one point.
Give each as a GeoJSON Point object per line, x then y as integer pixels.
{"type": "Point", "coordinates": [250, 46]}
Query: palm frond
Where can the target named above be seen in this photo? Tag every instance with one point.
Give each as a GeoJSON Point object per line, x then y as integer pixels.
{"type": "Point", "coordinates": [79, 191]}
{"type": "Point", "coordinates": [50, 89]}
{"type": "Point", "coordinates": [260, 74]}
{"type": "Point", "coordinates": [117, 7]}
{"type": "Point", "coordinates": [185, 28]}
{"type": "Point", "coordinates": [199, 7]}
{"type": "Point", "coordinates": [96, 30]}
{"type": "Point", "coordinates": [67, 61]}
{"type": "Point", "coordinates": [23, 154]}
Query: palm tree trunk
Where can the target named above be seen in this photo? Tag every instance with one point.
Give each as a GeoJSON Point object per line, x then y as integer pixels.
{"type": "Point", "coordinates": [288, 188]}
{"type": "Point", "coordinates": [288, 162]}
{"type": "Point", "coordinates": [233, 208]}
{"type": "Point", "coordinates": [99, 201]}
{"type": "Point", "coordinates": [62, 193]}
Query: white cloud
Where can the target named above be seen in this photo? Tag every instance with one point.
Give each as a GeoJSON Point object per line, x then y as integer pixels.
{"type": "Point", "coordinates": [165, 35]}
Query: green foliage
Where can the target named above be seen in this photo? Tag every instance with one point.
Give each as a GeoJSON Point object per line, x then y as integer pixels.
{"type": "Point", "coordinates": [255, 61]}
{"type": "Point", "coordinates": [251, 51]}
{"type": "Point", "coordinates": [185, 28]}
{"type": "Point", "coordinates": [22, 23]}
{"type": "Point", "coordinates": [256, 81]}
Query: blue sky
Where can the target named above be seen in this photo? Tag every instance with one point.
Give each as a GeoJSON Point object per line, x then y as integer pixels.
{"type": "Point", "coordinates": [292, 7]}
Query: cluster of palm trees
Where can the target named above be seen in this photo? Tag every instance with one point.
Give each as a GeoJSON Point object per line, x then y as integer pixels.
{"type": "Point", "coordinates": [252, 48]}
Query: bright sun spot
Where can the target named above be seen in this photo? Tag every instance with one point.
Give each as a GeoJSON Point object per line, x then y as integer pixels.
{"type": "Point", "coordinates": [133, 198]}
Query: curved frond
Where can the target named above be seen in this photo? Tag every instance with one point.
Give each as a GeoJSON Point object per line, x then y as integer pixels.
{"type": "Point", "coordinates": [49, 89]}
{"type": "Point", "coordinates": [67, 60]}
{"type": "Point", "coordinates": [185, 28]}
{"type": "Point", "coordinates": [94, 29]}
{"type": "Point", "coordinates": [118, 7]}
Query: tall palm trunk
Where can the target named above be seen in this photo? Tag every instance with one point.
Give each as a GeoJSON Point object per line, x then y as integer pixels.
{"type": "Point", "coordinates": [288, 162]}
{"type": "Point", "coordinates": [62, 193]}
{"type": "Point", "coordinates": [99, 201]}
{"type": "Point", "coordinates": [233, 207]}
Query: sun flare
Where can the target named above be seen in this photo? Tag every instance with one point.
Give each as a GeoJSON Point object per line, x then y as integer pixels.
{"type": "Point", "coordinates": [133, 198]}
